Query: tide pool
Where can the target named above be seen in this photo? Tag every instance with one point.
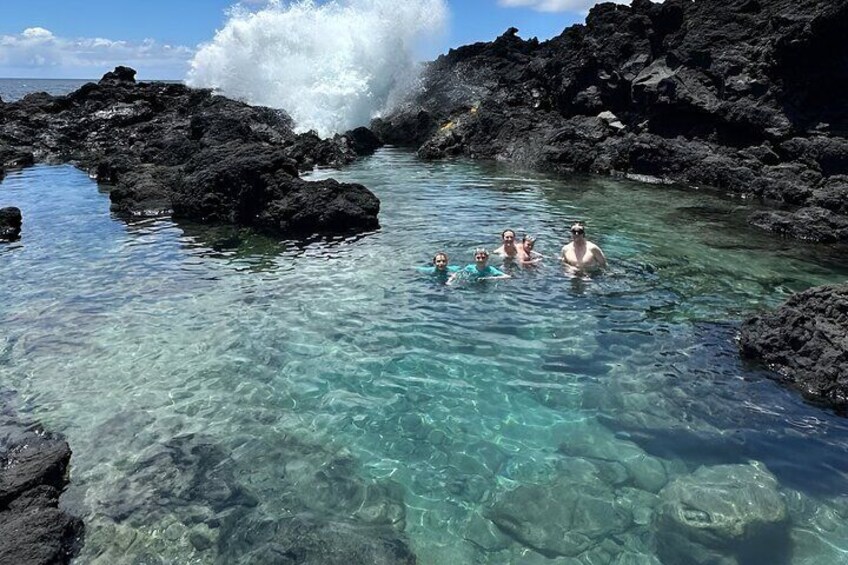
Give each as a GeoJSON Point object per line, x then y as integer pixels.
{"type": "Point", "coordinates": [230, 397]}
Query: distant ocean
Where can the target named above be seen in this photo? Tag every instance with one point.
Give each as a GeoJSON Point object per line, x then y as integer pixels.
{"type": "Point", "coordinates": [12, 89]}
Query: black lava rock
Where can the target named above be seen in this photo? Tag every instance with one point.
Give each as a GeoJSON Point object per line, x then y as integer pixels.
{"type": "Point", "coordinates": [805, 341]}
{"type": "Point", "coordinates": [33, 473]}
{"type": "Point", "coordinates": [10, 223]}
{"type": "Point", "coordinates": [164, 148]}
{"type": "Point", "coordinates": [736, 94]}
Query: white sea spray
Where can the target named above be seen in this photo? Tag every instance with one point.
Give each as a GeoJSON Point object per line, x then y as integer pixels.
{"type": "Point", "coordinates": [332, 66]}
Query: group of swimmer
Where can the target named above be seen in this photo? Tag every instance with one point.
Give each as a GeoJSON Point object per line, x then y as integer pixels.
{"type": "Point", "coordinates": [579, 255]}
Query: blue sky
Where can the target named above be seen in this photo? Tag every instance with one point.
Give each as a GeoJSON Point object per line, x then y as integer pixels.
{"type": "Point", "coordinates": [84, 38]}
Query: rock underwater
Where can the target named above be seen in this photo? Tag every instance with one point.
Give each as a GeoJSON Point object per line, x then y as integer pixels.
{"type": "Point", "coordinates": [742, 95]}
{"type": "Point", "coordinates": [168, 148]}
{"type": "Point", "coordinates": [806, 342]}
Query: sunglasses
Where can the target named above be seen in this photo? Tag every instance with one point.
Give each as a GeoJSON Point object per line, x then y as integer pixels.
{"type": "Point", "coordinates": [578, 232]}
{"type": "Point", "coordinates": [481, 256]}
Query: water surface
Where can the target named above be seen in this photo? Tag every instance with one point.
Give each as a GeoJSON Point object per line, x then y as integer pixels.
{"type": "Point", "coordinates": [215, 384]}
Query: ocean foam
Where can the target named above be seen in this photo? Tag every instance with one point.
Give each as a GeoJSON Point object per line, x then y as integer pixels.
{"type": "Point", "coordinates": [332, 66]}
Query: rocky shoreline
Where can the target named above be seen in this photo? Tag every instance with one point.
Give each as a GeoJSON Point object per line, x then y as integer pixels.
{"type": "Point", "coordinates": [740, 95]}
{"type": "Point", "coordinates": [169, 149]}
{"type": "Point", "coordinates": [805, 341]}
{"type": "Point", "coordinates": [33, 475]}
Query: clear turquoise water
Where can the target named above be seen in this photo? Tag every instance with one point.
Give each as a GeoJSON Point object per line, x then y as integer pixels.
{"type": "Point", "coordinates": [329, 378]}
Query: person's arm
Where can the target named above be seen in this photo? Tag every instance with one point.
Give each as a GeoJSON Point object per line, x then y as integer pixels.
{"type": "Point", "coordinates": [599, 257]}
{"type": "Point", "coordinates": [496, 274]}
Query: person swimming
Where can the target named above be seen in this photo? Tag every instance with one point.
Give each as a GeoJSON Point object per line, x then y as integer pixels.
{"type": "Point", "coordinates": [581, 254]}
{"type": "Point", "coordinates": [508, 248]}
{"type": "Point", "coordinates": [526, 255]}
{"type": "Point", "coordinates": [480, 269]}
{"type": "Point", "coordinates": [440, 266]}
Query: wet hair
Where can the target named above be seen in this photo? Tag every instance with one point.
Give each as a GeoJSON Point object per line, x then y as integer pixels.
{"type": "Point", "coordinates": [503, 233]}
{"type": "Point", "coordinates": [528, 237]}
{"type": "Point", "coordinates": [436, 256]}
{"type": "Point", "coordinates": [578, 225]}
{"type": "Point", "coordinates": [481, 251]}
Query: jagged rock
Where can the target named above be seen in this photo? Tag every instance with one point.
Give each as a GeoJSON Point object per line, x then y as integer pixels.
{"type": "Point", "coordinates": [10, 223]}
{"type": "Point", "coordinates": [119, 75]}
{"type": "Point", "coordinates": [726, 514]}
{"type": "Point", "coordinates": [146, 139]}
{"type": "Point", "coordinates": [737, 94]}
{"type": "Point", "coordinates": [811, 223]}
{"type": "Point", "coordinates": [33, 473]}
{"type": "Point", "coordinates": [806, 342]}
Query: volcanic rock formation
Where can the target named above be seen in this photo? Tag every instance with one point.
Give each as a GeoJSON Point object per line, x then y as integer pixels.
{"type": "Point", "coordinates": [10, 223]}
{"type": "Point", "coordinates": [33, 473]}
{"type": "Point", "coordinates": [743, 95]}
{"type": "Point", "coordinates": [167, 148]}
{"type": "Point", "coordinates": [806, 342]}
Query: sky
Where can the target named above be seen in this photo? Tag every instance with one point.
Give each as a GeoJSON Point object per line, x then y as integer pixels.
{"type": "Point", "coordinates": [85, 38]}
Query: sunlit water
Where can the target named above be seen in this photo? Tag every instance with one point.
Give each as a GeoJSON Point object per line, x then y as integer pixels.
{"type": "Point", "coordinates": [213, 383]}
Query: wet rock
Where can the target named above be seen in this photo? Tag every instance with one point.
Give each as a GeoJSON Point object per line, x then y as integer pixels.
{"type": "Point", "coordinates": [704, 93]}
{"type": "Point", "coordinates": [10, 223]}
{"type": "Point", "coordinates": [164, 148]}
{"type": "Point", "coordinates": [728, 514]}
{"type": "Point", "coordinates": [33, 474]}
{"type": "Point", "coordinates": [303, 539]}
{"type": "Point", "coordinates": [318, 509]}
{"type": "Point", "coordinates": [810, 223]}
{"type": "Point", "coordinates": [601, 447]}
{"type": "Point", "coordinates": [563, 518]}
{"type": "Point", "coordinates": [805, 341]}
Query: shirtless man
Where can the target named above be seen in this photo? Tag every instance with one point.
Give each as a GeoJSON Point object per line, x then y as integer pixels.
{"type": "Point", "coordinates": [581, 253]}
{"type": "Point", "coordinates": [508, 249]}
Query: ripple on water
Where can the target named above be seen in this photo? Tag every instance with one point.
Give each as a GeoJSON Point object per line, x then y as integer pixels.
{"type": "Point", "coordinates": [225, 392]}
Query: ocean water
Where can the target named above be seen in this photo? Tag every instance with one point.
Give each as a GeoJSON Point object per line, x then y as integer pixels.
{"type": "Point", "coordinates": [12, 89]}
{"type": "Point", "coordinates": [234, 398]}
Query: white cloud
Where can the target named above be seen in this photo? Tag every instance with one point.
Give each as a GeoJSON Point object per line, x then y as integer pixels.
{"type": "Point", "coordinates": [581, 6]}
{"type": "Point", "coordinates": [36, 52]}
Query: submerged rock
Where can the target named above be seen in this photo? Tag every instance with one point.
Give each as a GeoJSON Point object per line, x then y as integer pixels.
{"type": "Point", "coordinates": [10, 223]}
{"type": "Point", "coordinates": [33, 474]}
{"type": "Point", "coordinates": [739, 95]}
{"type": "Point", "coordinates": [164, 148]}
{"type": "Point", "coordinates": [565, 518]}
{"type": "Point", "coordinates": [727, 514]}
{"type": "Point", "coordinates": [317, 509]}
{"type": "Point", "coordinates": [805, 341]}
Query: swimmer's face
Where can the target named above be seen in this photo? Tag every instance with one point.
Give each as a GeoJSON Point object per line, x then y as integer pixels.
{"type": "Point", "coordinates": [508, 236]}
{"type": "Point", "coordinates": [481, 258]}
{"type": "Point", "coordinates": [440, 261]}
{"type": "Point", "coordinates": [577, 231]}
{"type": "Point", "coordinates": [528, 244]}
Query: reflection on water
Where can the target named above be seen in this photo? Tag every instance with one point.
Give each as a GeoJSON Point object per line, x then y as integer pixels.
{"type": "Point", "coordinates": [234, 398]}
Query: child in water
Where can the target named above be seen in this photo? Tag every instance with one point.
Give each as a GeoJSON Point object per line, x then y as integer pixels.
{"type": "Point", "coordinates": [480, 270]}
{"type": "Point", "coordinates": [440, 266]}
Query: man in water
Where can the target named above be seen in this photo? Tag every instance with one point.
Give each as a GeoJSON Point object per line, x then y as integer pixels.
{"type": "Point", "coordinates": [582, 254]}
{"type": "Point", "coordinates": [508, 248]}
{"type": "Point", "coordinates": [440, 266]}
{"type": "Point", "coordinates": [480, 270]}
